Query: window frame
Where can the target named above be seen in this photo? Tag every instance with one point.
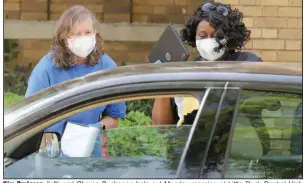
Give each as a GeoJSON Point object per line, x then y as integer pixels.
{"type": "Point", "coordinates": [66, 109]}
{"type": "Point", "coordinates": [24, 128]}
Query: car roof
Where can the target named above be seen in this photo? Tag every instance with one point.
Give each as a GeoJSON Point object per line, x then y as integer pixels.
{"type": "Point", "coordinates": [282, 73]}
{"type": "Point", "coordinates": [274, 68]}
{"type": "Point", "coordinates": [279, 72]}
{"type": "Point", "coordinates": [289, 72]}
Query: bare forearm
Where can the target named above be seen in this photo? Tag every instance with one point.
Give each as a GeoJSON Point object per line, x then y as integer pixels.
{"type": "Point", "coordinates": [162, 113]}
{"type": "Point", "coordinates": [110, 122]}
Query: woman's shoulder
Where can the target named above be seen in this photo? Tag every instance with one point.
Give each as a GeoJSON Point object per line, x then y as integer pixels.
{"type": "Point", "coordinates": [107, 62]}
{"type": "Point", "coordinates": [245, 56]}
{"type": "Point", "coordinates": [45, 63]}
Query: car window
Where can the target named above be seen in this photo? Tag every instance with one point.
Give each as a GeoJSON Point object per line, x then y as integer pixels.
{"type": "Point", "coordinates": [267, 138]}
{"type": "Point", "coordinates": [136, 148]}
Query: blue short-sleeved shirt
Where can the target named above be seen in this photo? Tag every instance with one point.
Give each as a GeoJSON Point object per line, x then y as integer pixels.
{"type": "Point", "coordinates": [46, 74]}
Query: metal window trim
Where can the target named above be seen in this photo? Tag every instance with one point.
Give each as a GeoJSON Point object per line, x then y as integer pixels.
{"type": "Point", "coordinates": [193, 128]}
{"type": "Point", "coordinates": [217, 115]}
{"type": "Point", "coordinates": [231, 131]}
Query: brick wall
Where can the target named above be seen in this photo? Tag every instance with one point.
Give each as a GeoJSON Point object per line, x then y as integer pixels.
{"type": "Point", "coordinates": [276, 25]}
{"type": "Point", "coordinates": [57, 7]}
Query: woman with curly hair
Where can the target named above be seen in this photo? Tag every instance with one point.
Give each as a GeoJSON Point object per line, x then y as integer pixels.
{"type": "Point", "coordinates": [76, 50]}
{"type": "Point", "coordinates": [218, 33]}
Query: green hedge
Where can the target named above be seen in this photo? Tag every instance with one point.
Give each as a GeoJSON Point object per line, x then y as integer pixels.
{"type": "Point", "coordinates": [131, 138]}
{"type": "Point", "coordinates": [144, 106]}
{"type": "Point", "coordinates": [15, 78]}
{"type": "Point", "coordinates": [10, 98]}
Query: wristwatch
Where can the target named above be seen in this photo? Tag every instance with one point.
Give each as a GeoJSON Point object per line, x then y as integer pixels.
{"type": "Point", "coordinates": [103, 127]}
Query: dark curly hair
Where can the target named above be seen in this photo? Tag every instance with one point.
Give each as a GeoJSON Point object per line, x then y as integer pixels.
{"type": "Point", "coordinates": [229, 27]}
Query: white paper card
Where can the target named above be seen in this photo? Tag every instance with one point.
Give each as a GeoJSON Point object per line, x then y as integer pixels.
{"type": "Point", "coordinates": [79, 140]}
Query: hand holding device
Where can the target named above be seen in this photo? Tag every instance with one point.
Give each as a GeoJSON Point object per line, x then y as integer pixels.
{"type": "Point", "coordinates": [169, 48]}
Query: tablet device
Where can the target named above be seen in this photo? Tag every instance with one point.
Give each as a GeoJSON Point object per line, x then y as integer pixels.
{"type": "Point", "coordinates": [169, 48]}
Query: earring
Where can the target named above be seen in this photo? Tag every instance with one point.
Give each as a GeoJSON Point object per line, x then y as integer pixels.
{"type": "Point", "coordinates": [224, 41]}
{"type": "Point", "coordinates": [73, 64]}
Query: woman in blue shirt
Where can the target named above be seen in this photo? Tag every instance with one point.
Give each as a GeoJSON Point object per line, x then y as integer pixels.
{"type": "Point", "coordinates": [76, 51]}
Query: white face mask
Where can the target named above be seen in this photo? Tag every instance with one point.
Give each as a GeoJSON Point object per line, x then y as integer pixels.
{"type": "Point", "coordinates": [206, 47]}
{"type": "Point", "coordinates": [82, 46]}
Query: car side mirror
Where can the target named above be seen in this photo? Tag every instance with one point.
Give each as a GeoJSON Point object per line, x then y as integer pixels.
{"type": "Point", "coordinates": [50, 144]}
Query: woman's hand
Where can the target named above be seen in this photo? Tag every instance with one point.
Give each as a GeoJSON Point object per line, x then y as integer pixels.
{"type": "Point", "coordinates": [48, 138]}
{"type": "Point", "coordinates": [52, 149]}
{"type": "Point", "coordinates": [158, 62]}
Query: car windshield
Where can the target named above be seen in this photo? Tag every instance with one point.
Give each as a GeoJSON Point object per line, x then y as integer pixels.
{"type": "Point", "coordinates": [133, 152]}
